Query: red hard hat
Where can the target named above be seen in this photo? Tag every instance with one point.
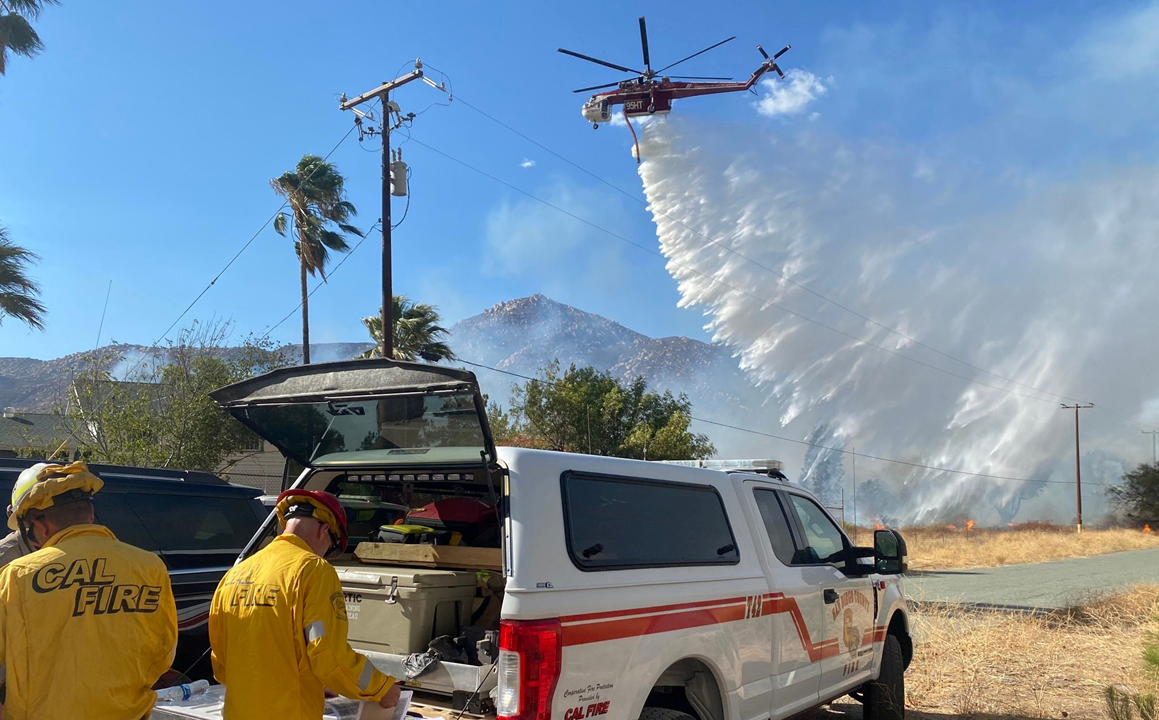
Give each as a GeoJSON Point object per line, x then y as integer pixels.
{"type": "Point", "coordinates": [323, 506]}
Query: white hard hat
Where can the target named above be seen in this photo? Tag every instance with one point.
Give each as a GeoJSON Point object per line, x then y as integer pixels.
{"type": "Point", "coordinates": [30, 473]}
{"type": "Point", "coordinates": [41, 485]}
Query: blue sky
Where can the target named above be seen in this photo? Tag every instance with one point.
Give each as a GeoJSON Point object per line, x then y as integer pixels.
{"type": "Point", "coordinates": [139, 146]}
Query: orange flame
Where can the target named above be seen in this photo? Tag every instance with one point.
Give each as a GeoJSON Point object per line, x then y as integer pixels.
{"type": "Point", "coordinates": [1146, 528]}
{"type": "Point", "coordinates": [878, 526]}
{"type": "Point", "coordinates": [969, 525]}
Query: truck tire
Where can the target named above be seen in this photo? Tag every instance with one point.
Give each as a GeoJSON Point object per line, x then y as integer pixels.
{"type": "Point", "coordinates": [885, 696]}
{"type": "Point", "coordinates": [657, 713]}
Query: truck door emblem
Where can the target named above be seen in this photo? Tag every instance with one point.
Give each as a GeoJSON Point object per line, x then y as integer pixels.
{"type": "Point", "coordinates": [754, 606]}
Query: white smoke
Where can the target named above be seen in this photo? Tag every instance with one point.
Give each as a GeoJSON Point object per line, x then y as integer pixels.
{"type": "Point", "coordinates": [1052, 284]}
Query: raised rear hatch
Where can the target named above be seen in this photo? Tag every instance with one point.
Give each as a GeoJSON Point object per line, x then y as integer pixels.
{"type": "Point", "coordinates": [373, 413]}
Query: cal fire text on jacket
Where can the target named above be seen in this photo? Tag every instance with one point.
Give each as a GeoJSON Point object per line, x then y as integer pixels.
{"type": "Point", "coordinates": [97, 590]}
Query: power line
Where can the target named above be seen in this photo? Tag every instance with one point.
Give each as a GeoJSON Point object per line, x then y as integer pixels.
{"type": "Point", "coordinates": [232, 260]}
{"type": "Point", "coordinates": [805, 442]}
{"type": "Point", "coordinates": [763, 301]}
{"type": "Point", "coordinates": [802, 286]}
{"type": "Point", "coordinates": [333, 270]}
{"type": "Point", "coordinates": [249, 242]}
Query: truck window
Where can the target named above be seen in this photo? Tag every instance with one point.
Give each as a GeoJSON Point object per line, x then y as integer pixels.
{"type": "Point", "coordinates": [824, 537]}
{"type": "Point", "coordinates": [615, 523]}
{"type": "Point", "coordinates": [777, 525]}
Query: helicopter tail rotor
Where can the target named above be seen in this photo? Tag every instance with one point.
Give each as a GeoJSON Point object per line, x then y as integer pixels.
{"type": "Point", "coordinates": [772, 61]}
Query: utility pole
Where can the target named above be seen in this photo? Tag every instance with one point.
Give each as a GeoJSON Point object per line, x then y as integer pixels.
{"type": "Point", "coordinates": [588, 409]}
{"type": "Point", "coordinates": [382, 92]}
{"type": "Point", "coordinates": [1078, 476]}
{"type": "Point", "coordinates": [856, 530]}
{"type": "Point", "coordinates": [1152, 433]}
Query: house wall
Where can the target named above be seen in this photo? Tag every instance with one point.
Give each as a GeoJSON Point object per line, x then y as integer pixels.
{"type": "Point", "coordinates": [261, 469]}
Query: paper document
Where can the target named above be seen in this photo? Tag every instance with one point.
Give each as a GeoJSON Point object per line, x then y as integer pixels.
{"type": "Point", "coordinates": [404, 699]}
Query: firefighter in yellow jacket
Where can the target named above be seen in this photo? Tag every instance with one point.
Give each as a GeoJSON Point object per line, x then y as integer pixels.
{"type": "Point", "coordinates": [87, 623]}
{"type": "Point", "coordinates": [278, 622]}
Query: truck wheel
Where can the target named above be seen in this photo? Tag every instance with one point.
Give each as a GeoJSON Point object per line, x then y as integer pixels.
{"type": "Point", "coordinates": [657, 713]}
{"type": "Point", "coordinates": [885, 696]}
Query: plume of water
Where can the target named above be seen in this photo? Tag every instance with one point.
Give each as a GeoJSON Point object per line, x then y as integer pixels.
{"type": "Point", "coordinates": [1051, 285]}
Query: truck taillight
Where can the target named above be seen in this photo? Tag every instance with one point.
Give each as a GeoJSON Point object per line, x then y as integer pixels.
{"type": "Point", "coordinates": [530, 655]}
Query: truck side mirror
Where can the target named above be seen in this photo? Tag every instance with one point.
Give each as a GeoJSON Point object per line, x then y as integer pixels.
{"type": "Point", "coordinates": [890, 552]}
{"type": "Point", "coordinates": [851, 564]}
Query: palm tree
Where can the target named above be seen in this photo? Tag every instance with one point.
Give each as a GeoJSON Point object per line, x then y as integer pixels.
{"type": "Point", "coordinates": [316, 194]}
{"type": "Point", "coordinates": [417, 333]}
{"type": "Point", "coordinates": [17, 292]}
{"type": "Point", "coordinates": [16, 33]}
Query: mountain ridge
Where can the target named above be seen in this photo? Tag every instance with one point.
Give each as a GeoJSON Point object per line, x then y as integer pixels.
{"type": "Point", "coordinates": [519, 336]}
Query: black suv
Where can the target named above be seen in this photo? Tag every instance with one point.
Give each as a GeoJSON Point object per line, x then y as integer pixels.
{"type": "Point", "coordinates": [194, 521]}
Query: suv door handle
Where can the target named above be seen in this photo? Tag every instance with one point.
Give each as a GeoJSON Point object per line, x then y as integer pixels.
{"type": "Point", "coordinates": [830, 596]}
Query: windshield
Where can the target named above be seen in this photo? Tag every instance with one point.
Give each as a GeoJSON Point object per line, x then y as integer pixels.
{"type": "Point", "coordinates": [398, 429]}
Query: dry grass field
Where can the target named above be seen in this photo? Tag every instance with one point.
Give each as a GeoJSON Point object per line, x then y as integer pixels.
{"type": "Point", "coordinates": [941, 548]}
{"type": "Point", "coordinates": [986, 665]}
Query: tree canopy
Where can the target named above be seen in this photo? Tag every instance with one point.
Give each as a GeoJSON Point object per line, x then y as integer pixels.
{"type": "Point", "coordinates": [319, 217]}
{"type": "Point", "coordinates": [586, 410]}
{"type": "Point", "coordinates": [1138, 495]}
{"type": "Point", "coordinates": [417, 332]}
{"type": "Point", "coordinates": [159, 414]}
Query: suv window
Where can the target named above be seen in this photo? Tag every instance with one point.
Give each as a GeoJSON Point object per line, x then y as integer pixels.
{"type": "Point", "coordinates": [616, 523]}
{"type": "Point", "coordinates": [824, 538]}
{"type": "Point", "coordinates": [112, 512]}
{"type": "Point", "coordinates": [777, 525]}
{"type": "Point", "coordinates": [191, 523]}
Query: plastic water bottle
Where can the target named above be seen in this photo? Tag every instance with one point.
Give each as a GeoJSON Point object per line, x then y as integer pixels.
{"type": "Point", "coordinates": [178, 693]}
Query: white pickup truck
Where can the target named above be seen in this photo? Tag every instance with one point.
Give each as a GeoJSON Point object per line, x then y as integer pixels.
{"type": "Point", "coordinates": [594, 587]}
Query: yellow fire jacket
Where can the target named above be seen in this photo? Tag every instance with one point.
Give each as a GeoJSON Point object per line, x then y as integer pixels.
{"type": "Point", "coordinates": [278, 630]}
{"type": "Point", "coordinates": [87, 625]}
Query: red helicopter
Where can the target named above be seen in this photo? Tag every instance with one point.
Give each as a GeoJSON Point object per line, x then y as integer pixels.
{"type": "Point", "coordinates": [647, 95]}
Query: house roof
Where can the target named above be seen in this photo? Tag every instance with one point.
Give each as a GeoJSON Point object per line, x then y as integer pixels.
{"type": "Point", "coordinates": [32, 430]}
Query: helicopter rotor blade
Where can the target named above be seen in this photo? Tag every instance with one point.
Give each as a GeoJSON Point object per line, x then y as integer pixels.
{"type": "Point", "coordinates": [696, 77]}
{"type": "Point", "coordinates": [596, 87]}
{"type": "Point", "coordinates": [710, 47]}
{"type": "Point", "coordinates": [782, 51]}
{"type": "Point", "coordinates": [597, 61]}
{"type": "Point", "coordinates": [778, 69]}
{"type": "Point", "coordinates": [644, 43]}
{"type": "Point", "coordinates": [761, 50]}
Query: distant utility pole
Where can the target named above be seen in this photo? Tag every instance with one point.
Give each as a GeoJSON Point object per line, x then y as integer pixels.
{"type": "Point", "coordinates": [853, 454]}
{"type": "Point", "coordinates": [1152, 433]}
{"type": "Point", "coordinates": [390, 185]}
{"type": "Point", "coordinates": [1078, 475]}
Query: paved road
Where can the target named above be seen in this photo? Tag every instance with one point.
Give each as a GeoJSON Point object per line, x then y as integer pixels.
{"type": "Point", "coordinates": [1054, 584]}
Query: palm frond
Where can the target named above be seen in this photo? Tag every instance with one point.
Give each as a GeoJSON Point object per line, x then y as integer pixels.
{"type": "Point", "coordinates": [281, 222]}
{"type": "Point", "coordinates": [29, 8]}
{"type": "Point", "coordinates": [417, 333]}
{"type": "Point", "coordinates": [24, 308]}
{"type": "Point", "coordinates": [18, 292]}
{"type": "Point", "coordinates": [333, 241]}
{"type": "Point", "coordinates": [18, 37]}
